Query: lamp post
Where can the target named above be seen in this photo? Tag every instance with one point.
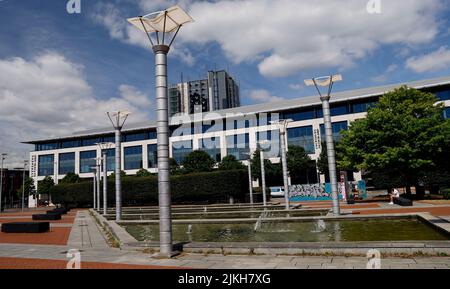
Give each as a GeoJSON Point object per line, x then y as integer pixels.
{"type": "Point", "coordinates": [163, 22]}
{"type": "Point", "coordinates": [328, 81]}
{"type": "Point", "coordinates": [105, 146]}
{"type": "Point", "coordinates": [250, 179]}
{"type": "Point", "coordinates": [25, 162]}
{"type": "Point", "coordinates": [282, 125]}
{"type": "Point", "coordinates": [3, 157]}
{"type": "Point", "coordinates": [118, 119]}
{"type": "Point", "coordinates": [263, 173]}
{"type": "Point", "coordinates": [94, 188]}
{"type": "Point", "coordinates": [98, 164]}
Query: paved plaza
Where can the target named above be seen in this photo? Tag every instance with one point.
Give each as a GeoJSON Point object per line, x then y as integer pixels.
{"type": "Point", "coordinates": [78, 230]}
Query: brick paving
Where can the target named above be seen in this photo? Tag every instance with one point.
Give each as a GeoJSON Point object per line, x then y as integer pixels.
{"type": "Point", "coordinates": [29, 263]}
{"type": "Point", "coordinates": [45, 250]}
{"type": "Point", "coordinates": [56, 236]}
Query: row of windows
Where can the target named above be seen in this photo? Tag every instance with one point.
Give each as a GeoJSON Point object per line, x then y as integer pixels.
{"type": "Point", "coordinates": [93, 141]}
{"type": "Point", "coordinates": [237, 145]}
{"type": "Point", "coordinates": [258, 120]}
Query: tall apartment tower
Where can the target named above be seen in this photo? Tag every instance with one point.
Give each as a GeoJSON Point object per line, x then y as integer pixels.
{"type": "Point", "coordinates": [218, 91]}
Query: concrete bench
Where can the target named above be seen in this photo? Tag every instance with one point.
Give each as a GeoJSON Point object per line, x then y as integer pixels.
{"type": "Point", "coordinates": [26, 227]}
{"type": "Point", "coordinates": [61, 211]}
{"type": "Point", "coordinates": [47, 217]}
{"type": "Point", "coordinates": [403, 202]}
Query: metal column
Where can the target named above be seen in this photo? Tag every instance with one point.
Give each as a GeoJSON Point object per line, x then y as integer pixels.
{"type": "Point", "coordinates": [331, 153]}
{"type": "Point", "coordinates": [118, 179]}
{"type": "Point", "coordinates": [263, 177]}
{"type": "Point", "coordinates": [285, 168]}
{"type": "Point", "coordinates": [105, 184]}
{"type": "Point", "coordinates": [165, 218]}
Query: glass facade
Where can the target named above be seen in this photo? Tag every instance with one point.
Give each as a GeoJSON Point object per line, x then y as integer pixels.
{"type": "Point", "coordinates": [238, 146]}
{"type": "Point", "coordinates": [447, 112]}
{"type": "Point", "coordinates": [152, 153]}
{"type": "Point", "coordinates": [337, 127]}
{"type": "Point", "coordinates": [300, 115]}
{"type": "Point", "coordinates": [443, 95]}
{"type": "Point", "coordinates": [132, 158]}
{"type": "Point", "coordinates": [110, 159]}
{"type": "Point", "coordinates": [362, 107]}
{"type": "Point", "coordinates": [302, 137]}
{"type": "Point", "coordinates": [66, 163]}
{"type": "Point", "coordinates": [180, 150]}
{"type": "Point", "coordinates": [46, 165]}
{"type": "Point", "coordinates": [212, 147]}
{"type": "Point", "coordinates": [272, 150]}
{"type": "Point", "coordinates": [87, 160]}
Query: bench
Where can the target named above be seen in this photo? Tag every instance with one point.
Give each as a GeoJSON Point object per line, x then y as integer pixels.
{"type": "Point", "coordinates": [26, 227]}
{"type": "Point", "coordinates": [61, 211]}
{"type": "Point", "coordinates": [47, 217]}
{"type": "Point", "coordinates": [403, 202]}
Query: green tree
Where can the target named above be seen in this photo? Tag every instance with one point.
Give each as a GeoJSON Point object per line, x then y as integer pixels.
{"type": "Point", "coordinates": [143, 173]}
{"type": "Point", "coordinates": [29, 187]}
{"type": "Point", "coordinates": [70, 178]}
{"type": "Point", "coordinates": [113, 175]}
{"type": "Point", "coordinates": [198, 161]}
{"type": "Point", "coordinates": [298, 162]}
{"type": "Point", "coordinates": [273, 172]}
{"type": "Point", "coordinates": [174, 167]}
{"type": "Point", "coordinates": [45, 185]}
{"type": "Point", "coordinates": [405, 134]}
{"type": "Point", "coordinates": [230, 163]}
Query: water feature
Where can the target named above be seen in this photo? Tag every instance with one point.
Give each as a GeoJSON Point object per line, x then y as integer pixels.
{"type": "Point", "coordinates": [330, 231]}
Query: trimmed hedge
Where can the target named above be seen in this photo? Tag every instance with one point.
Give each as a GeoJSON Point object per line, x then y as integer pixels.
{"type": "Point", "coordinates": [199, 187]}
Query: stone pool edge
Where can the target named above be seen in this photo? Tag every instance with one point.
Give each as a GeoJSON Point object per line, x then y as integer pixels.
{"type": "Point", "coordinates": [434, 248]}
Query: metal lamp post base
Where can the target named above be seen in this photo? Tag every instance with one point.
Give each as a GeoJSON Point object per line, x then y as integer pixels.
{"type": "Point", "coordinates": [170, 255]}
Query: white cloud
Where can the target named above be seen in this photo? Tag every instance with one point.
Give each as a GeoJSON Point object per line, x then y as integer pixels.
{"type": "Point", "coordinates": [296, 86]}
{"type": "Point", "coordinates": [109, 16]}
{"type": "Point", "coordinates": [287, 36]}
{"type": "Point", "coordinates": [435, 61]}
{"type": "Point", "coordinates": [384, 76]}
{"type": "Point", "coordinates": [261, 95]}
{"type": "Point", "coordinates": [49, 96]}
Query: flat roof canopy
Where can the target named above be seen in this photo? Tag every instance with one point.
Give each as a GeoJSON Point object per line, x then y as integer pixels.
{"type": "Point", "coordinates": [176, 17]}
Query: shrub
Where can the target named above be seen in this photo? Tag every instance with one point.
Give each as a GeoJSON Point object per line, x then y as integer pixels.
{"type": "Point", "coordinates": [197, 187]}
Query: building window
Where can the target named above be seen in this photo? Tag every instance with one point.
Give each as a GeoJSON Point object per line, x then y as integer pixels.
{"type": "Point", "coordinates": [152, 152]}
{"type": "Point", "coordinates": [212, 147]}
{"type": "Point", "coordinates": [87, 160]}
{"type": "Point", "coordinates": [302, 137]}
{"type": "Point", "coordinates": [47, 146]}
{"type": "Point", "coordinates": [110, 159]}
{"type": "Point", "coordinates": [110, 138]}
{"type": "Point", "coordinates": [272, 148]}
{"type": "Point", "coordinates": [362, 107]}
{"type": "Point", "coordinates": [238, 146]}
{"type": "Point", "coordinates": [447, 112]}
{"type": "Point", "coordinates": [90, 142]}
{"type": "Point", "coordinates": [46, 165]}
{"type": "Point", "coordinates": [135, 137]}
{"type": "Point", "coordinates": [337, 128]}
{"type": "Point", "coordinates": [180, 150]}
{"type": "Point", "coordinates": [70, 144]}
{"type": "Point", "coordinates": [443, 95]}
{"type": "Point", "coordinates": [66, 163]}
{"type": "Point", "coordinates": [300, 115]}
{"type": "Point", "coordinates": [334, 110]}
{"type": "Point", "coordinates": [133, 158]}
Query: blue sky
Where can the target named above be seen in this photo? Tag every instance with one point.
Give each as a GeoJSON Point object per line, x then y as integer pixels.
{"type": "Point", "coordinates": [95, 60]}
